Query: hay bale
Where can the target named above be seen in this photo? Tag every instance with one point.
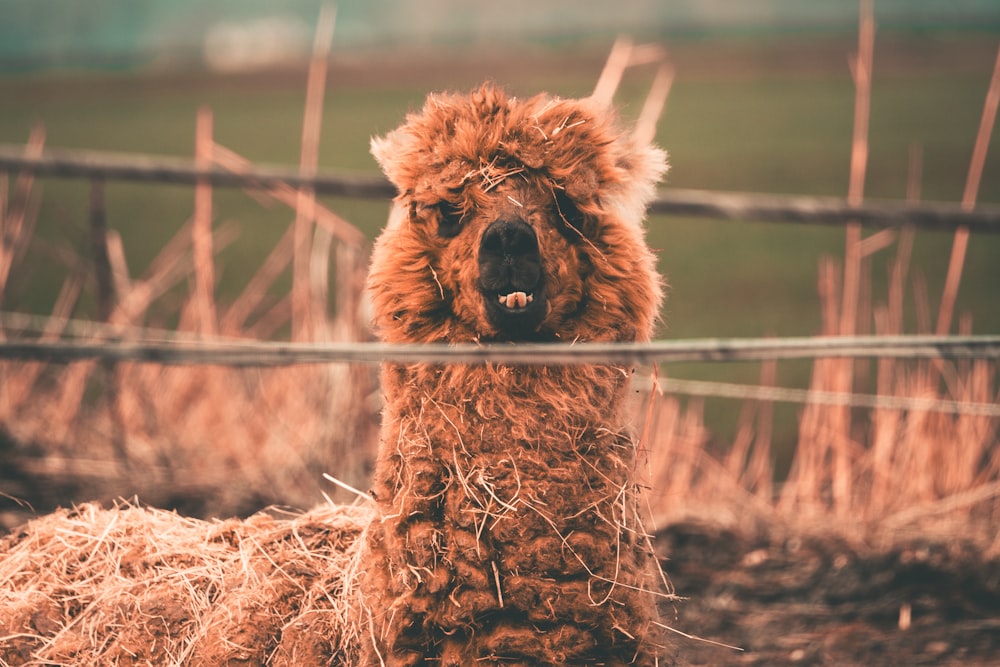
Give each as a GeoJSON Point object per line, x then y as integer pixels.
{"type": "Point", "coordinates": [138, 586]}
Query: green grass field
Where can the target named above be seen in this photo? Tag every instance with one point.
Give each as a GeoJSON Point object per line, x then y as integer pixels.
{"type": "Point", "coordinates": [751, 115]}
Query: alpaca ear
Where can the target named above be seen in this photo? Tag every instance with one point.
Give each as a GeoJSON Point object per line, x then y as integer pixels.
{"type": "Point", "coordinates": [637, 165]}
{"type": "Point", "coordinates": [402, 154]}
{"type": "Point", "coordinates": [388, 152]}
{"type": "Point", "coordinates": [644, 166]}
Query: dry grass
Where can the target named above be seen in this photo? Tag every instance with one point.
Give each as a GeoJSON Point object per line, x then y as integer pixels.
{"type": "Point", "coordinates": [237, 439]}
{"type": "Point", "coordinates": [869, 474]}
{"type": "Point", "coordinates": [139, 586]}
{"type": "Point", "coordinates": [210, 440]}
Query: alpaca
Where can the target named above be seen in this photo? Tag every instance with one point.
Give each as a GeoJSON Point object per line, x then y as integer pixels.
{"type": "Point", "coordinates": [507, 529]}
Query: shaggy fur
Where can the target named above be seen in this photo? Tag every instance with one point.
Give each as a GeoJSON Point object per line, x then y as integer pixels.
{"type": "Point", "coordinates": [509, 530]}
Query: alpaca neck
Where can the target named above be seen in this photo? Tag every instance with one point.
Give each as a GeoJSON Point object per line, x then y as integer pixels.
{"type": "Point", "coordinates": [518, 398]}
{"type": "Point", "coordinates": [442, 419]}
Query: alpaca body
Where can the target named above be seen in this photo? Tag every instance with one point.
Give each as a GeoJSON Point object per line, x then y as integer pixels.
{"type": "Point", "coordinates": [508, 530]}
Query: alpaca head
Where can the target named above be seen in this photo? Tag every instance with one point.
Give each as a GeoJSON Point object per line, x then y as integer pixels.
{"type": "Point", "coordinates": [516, 220]}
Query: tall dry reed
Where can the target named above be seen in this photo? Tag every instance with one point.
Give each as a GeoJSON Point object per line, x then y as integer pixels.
{"type": "Point", "coordinates": [211, 440]}
{"type": "Point", "coordinates": [872, 473]}
{"type": "Point", "coordinates": [222, 440]}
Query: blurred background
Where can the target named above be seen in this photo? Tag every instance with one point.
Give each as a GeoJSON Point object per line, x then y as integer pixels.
{"type": "Point", "coordinates": [244, 34]}
{"type": "Point", "coordinates": [762, 101]}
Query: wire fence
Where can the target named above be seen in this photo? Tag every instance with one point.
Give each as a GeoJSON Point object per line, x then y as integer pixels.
{"type": "Point", "coordinates": [680, 202]}
{"type": "Point", "coordinates": [189, 350]}
{"type": "Point", "coordinates": [745, 392]}
{"type": "Point", "coordinates": [116, 344]}
{"type": "Point", "coordinates": [260, 353]}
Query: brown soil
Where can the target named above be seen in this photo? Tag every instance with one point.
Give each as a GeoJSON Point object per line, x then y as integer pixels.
{"type": "Point", "coordinates": [822, 600]}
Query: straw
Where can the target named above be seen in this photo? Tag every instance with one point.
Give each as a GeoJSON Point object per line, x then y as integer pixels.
{"type": "Point", "coordinates": [976, 165]}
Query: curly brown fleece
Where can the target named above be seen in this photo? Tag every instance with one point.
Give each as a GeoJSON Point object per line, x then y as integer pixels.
{"type": "Point", "coordinates": [509, 530]}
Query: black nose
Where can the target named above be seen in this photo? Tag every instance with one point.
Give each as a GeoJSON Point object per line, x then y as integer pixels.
{"type": "Point", "coordinates": [510, 277]}
{"type": "Point", "coordinates": [509, 257]}
{"type": "Point", "coordinates": [509, 239]}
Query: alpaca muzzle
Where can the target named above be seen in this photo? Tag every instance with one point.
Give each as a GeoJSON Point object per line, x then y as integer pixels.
{"type": "Point", "coordinates": [510, 278]}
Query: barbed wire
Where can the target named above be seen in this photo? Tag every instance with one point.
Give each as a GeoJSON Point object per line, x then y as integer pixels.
{"type": "Point", "coordinates": [678, 202]}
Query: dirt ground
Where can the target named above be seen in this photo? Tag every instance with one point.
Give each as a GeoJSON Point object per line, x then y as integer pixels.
{"type": "Point", "coordinates": [821, 600]}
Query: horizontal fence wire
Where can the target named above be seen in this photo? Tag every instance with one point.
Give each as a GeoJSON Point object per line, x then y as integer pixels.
{"type": "Point", "coordinates": [677, 202]}
{"type": "Point", "coordinates": [744, 392]}
{"type": "Point", "coordinates": [179, 349]}
{"type": "Point", "coordinates": [259, 353]}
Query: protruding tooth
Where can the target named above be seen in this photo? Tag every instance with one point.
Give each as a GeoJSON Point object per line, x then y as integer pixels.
{"type": "Point", "coordinates": [515, 299]}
